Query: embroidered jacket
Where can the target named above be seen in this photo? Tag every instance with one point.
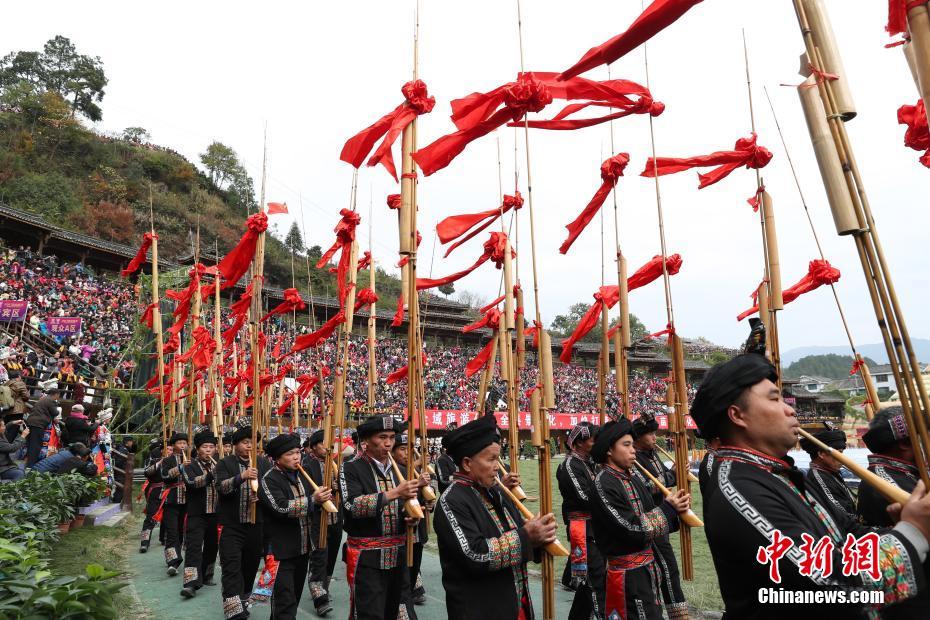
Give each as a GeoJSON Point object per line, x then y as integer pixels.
{"type": "Point", "coordinates": [289, 508]}
{"type": "Point", "coordinates": [751, 496]}
{"type": "Point", "coordinates": [235, 493]}
{"type": "Point", "coordinates": [366, 513]}
{"type": "Point", "coordinates": [831, 491]}
{"type": "Point", "coordinates": [575, 476]}
{"type": "Point", "coordinates": [199, 479]}
{"type": "Point", "coordinates": [705, 472]}
{"type": "Point", "coordinates": [483, 551]}
{"type": "Point", "coordinates": [170, 470]}
{"type": "Point", "coordinates": [652, 461]}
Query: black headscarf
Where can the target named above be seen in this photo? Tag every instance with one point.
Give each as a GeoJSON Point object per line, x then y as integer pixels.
{"type": "Point", "coordinates": [607, 436]}
{"type": "Point", "coordinates": [722, 386]}
{"type": "Point", "coordinates": [471, 438]}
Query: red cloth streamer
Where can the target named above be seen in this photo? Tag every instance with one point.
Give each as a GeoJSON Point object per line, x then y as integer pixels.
{"type": "Point", "coordinates": [305, 341]}
{"type": "Point", "coordinates": [139, 258]}
{"type": "Point", "coordinates": [491, 320]}
{"type": "Point", "coordinates": [292, 301]}
{"type": "Point", "coordinates": [668, 331]}
{"type": "Point", "coordinates": [917, 136]}
{"type": "Point", "coordinates": [477, 115]}
{"type": "Point", "coordinates": [455, 226]}
{"type": "Point", "coordinates": [856, 365]}
{"type": "Point", "coordinates": [614, 94]}
{"type": "Point", "coordinates": [365, 261]}
{"type": "Point", "coordinates": [405, 259]}
{"type": "Point", "coordinates": [401, 373]}
{"type": "Point", "coordinates": [611, 170]}
{"type": "Point", "coordinates": [417, 101]}
{"type": "Point", "coordinates": [755, 201]}
{"type": "Point", "coordinates": [393, 201]}
{"type": "Point", "coordinates": [657, 17]}
{"type": "Point", "coordinates": [897, 16]}
{"type": "Point", "coordinates": [148, 315]}
{"type": "Point", "coordinates": [819, 272]}
{"type": "Point", "coordinates": [746, 153]}
{"type": "Point", "coordinates": [399, 313]}
{"type": "Point", "coordinates": [306, 383]}
{"type": "Point", "coordinates": [610, 295]}
{"type": "Point", "coordinates": [365, 297]}
{"type": "Point", "coordinates": [533, 330]}
{"type": "Point", "coordinates": [285, 405]}
{"type": "Point", "coordinates": [345, 235]}
{"type": "Point", "coordinates": [493, 250]}
{"type": "Point", "coordinates": [485, 308]}
{"type": "Point", "coordinates": [275, 208]}
{"type": "Point", "coordinates": [234, 265]}
{"type": "Point", "coordinates": [479, 361]}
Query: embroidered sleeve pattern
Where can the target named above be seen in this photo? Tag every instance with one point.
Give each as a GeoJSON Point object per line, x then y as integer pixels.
{"type": "Point", "coordinates": [897, 573]}
{"type": "Point", "coordinates": [364, 506]}
{"type": "Point", "coordinates": [575, 483]}
{"type": "Point", "coordinates": [297, 507]}
{"type": "Point", "coordinates": [228, 485]}
{"type": "Point", "coordinates": [505, 551]}
{"type": "Point", "coordinates": [655, 523]}
{"type": "Point", "coordinates": [197, 482]}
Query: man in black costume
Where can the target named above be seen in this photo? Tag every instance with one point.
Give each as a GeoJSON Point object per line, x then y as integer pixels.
{"type": "Point", "coordinates": [418, 589]}
{"type": "Point", "coordinates": [757, 497]}
{"type": "Point", "coordinates": [322, 560]}
{"type": "Point", "coordinates": [626, 525]}
{"type": "Point", "coordinates": [484, 542]}
{"type": "Point", "coordinates": [585, 565]}
{"type": "Point", "coordinates": [290, 504]}
{"type": "Point", "coordinates": [175, 501]}
{"type": "Point", "coordinates": [373, 499]}
{"type": "Point", "coordinates": [823, 476]}
{"type": "Point", "coordinates": [241, 539]}
{"type": "Point", "coordinates": [200, 537]}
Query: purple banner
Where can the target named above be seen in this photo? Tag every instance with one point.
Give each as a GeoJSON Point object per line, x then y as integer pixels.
{"type": "Point", "coordinates": [13, 309]}
{"type": "Point", "coordinates": [63, 325]}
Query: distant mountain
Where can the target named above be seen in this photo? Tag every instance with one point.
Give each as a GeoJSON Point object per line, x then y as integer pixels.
{"type": "Point", "coordinates": [831, 366]}
{"type": "Point", "coordinates": [875, 351]}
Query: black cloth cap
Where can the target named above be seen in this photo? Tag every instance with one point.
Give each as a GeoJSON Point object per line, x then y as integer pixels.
{"type": "Point", "coordinates": [204, 437]}
{"type": "Point", "coordinates": [281, 444]}
{"type": "Point", "coordinates": [471, 438]}
{"type": "Point", "coordinates": [177, 437]}
{"type": "Point", "coordinates": [886, 429]}
{"type": "Point", "coordinates": [828, 434]}
{"type": "Point", "coordinates": [315, 438]}
{"type": "Point", "coordinates": [607, 436]}
{"type": "Point", "coordinates": [722, 386]}
{"type": "Point", "coordinates": [379, 423]}
{"type": "Point", "coordinates": [644, 424]}
{"type": "Point", "coordinates": [244, 432]}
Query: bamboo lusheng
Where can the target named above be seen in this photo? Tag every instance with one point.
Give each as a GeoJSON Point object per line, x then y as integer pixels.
{"type": "Point", "coordinates": [216, 381]}
{"type": "Point", "coordinates": [678, 395]}
{"type": "Point", "coordinates": [665, 453]}
{"type": "Point", "coordinates": [194, 400]}
{"type": "Point", "coordinates": [914, 399]}
{"type": "Point", "coordinates": [840, 204]}
{"type": "Point", "coordinates": [833, 62]}
{"type": "Point", "coordinates": [688, 517]}
{"type": "Point", "coordinates": [328, 505]}
{"type": "Point", "coordinates": [517, 490]}
{"type": "Point", "coordinates": [411, 506]}
{"type": "Point", "coordinates": [889, 491]}
{"type": "Point", "coordinates": [157, 329]}
{"type": "Point", "coordinates": [553, 549]}
{"type": "Point", "coordinates": [918, 19]}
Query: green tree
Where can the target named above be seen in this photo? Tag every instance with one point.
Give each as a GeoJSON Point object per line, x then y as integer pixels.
{"type": "Point", "coordinates": [294, 240]}
{"type": "Point", "coordinates": [241, 191]}
{"type": "Point", "coordinates": [564, 324]}
{"type": "Point", "coordinates": [221, 163]}
{"type": "Point", "coordinates": [447, 289]}
{"type": "Point", "coordinates": [136, 134]}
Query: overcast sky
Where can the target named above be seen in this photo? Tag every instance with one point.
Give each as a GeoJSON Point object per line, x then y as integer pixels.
{"type": "Point", "coordinates": [317, 73]}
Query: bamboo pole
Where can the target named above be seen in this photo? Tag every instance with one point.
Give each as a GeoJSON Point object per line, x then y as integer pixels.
{"type": "Point", "coordinates": [604, 370]}
{"type": "Point", "coordinates": [688, 517]}
{"type": "Point", "coordinates": [215, 372]}
{"type": "Point", "coordinates": [691, 476]}
{"type": "Point", "coordinates": [486, 374]}
{"type": "Point", "coordinates": [915, 401]}
{"type": "Point", "coordinates": [157, 327]}
{"type": "Point", "coordinates": [328, 505]}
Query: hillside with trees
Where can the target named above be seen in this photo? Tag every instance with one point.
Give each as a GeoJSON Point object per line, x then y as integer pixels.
{"type": "Point", "coordinates": [830, 366]}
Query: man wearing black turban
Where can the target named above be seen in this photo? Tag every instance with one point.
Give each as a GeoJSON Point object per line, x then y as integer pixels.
{"type": "Point", "coordinates": [174, 501]}
{"type": "Point", "coordinates": [200, 537]}
{"type": "Point", "coordinates": [585, 566]}
{"type": "Point", "coordinates": [823, 477]}
{"type": "Point", "coordinates": [626, 525]}
{"type": "Point", "coordinates": [373, 497]}
{"type": "Point", "coordinates": [153, 488]}
{"type": "Point", "coordinates": [290, 504]}
{"type": "Point", "coordinates": [647, 455]}
{"type": "Point", "coordinates": [755, 492]}
{"type": "Point", "coordinates": [322, 560]}
{"type": "Point", "coordinates": [484, 542]}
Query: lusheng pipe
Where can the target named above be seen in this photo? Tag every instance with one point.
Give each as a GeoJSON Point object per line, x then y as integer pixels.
{"type": "Point", "coordinates": [825, 40]}
{"type": "Point", "coordinates": [518, 491]}
{"type": "Point", "coordinates": [918, 20]}
{"type": "Point", "coordinates": [665, 453]}
{"type": "Point", "coordinates": [889, 491]}
{"type": "Point", "coordinates": [687, 517]}
{"type": "Point", "coordinates": [328, 505]}
{"type": "Point", "coordinates": [412, 505]}
{"type": "Point", "coordinates": [555, 548]}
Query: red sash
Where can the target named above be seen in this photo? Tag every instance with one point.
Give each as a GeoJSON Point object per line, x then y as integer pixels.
{"type": "Point", "coordinates": [617, 566]}
{"type": "Point", "coordinates": [354, 547]}
{"type": "Point", "coordinates": [578, 537]}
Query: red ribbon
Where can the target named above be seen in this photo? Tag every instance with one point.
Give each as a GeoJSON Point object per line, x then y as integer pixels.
{"type": "Point", "coordinates": [486, 307]}
{"type": "Point", "coordinates": [611, 170]}
{"type": "Point", "coordinates": [393, 201]}
{"type": "Point", "coordinates": [656, 18]}
{"type": "Point", "coordinates": [746, 153]}
{"type": "Point", "coordinates": [345, 235]}
{"type": "Point", "coordinates": [365, 297]}
{"type": "Point", "coordinates": [406, 259]}
{"type": "Point", "coordinates": [477, 115]}
{"type": "Point", "coordinates": [306, 383]}
{"type": "Point", "coordinates": [533, 330]}
{"type": "Point", "coordinates": [417, 101]}
{"type": "Point", "coordinates": [493, 250]}
{"type": "Point", "coordinates": [481, 360]}
{"type": "Point", "coordinates": [610, 295]}
{"type": "Point", "coordinates": [305, 341]}
{"type": "Point", "coordinates": [917, 135]}
{"type": "Point", "coordinates": [234, 265]}
{"type": "Point", "coordinates": [897, 15]}
{"type": "Point", "coordinates": [819, 272]}
{"type": "Point", "coordinates": [401, 373]}
{"type": "Point", "coordinates": [139, 258]}
{"type": "Point", "coordinates": [668, 331]}
{"type": "Point", "coordinates": [755, 201]}
{"type": "Point", "coordinates": [201, 350]}
{"type": "Point", "coordinates": [148, 315]}
{"type": "Point", "coordinates": [455, 226]}
{"type": "Point", "coordinates": [292, 301]}
{"type": "Point", "coordinates": [491, 319]}
{"type": "Point", "coordinates": [399, 313]}
{"type": "Point", "coordinates": [856, 365]}
{"type": "Point", "coordinates": [364, 262]}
